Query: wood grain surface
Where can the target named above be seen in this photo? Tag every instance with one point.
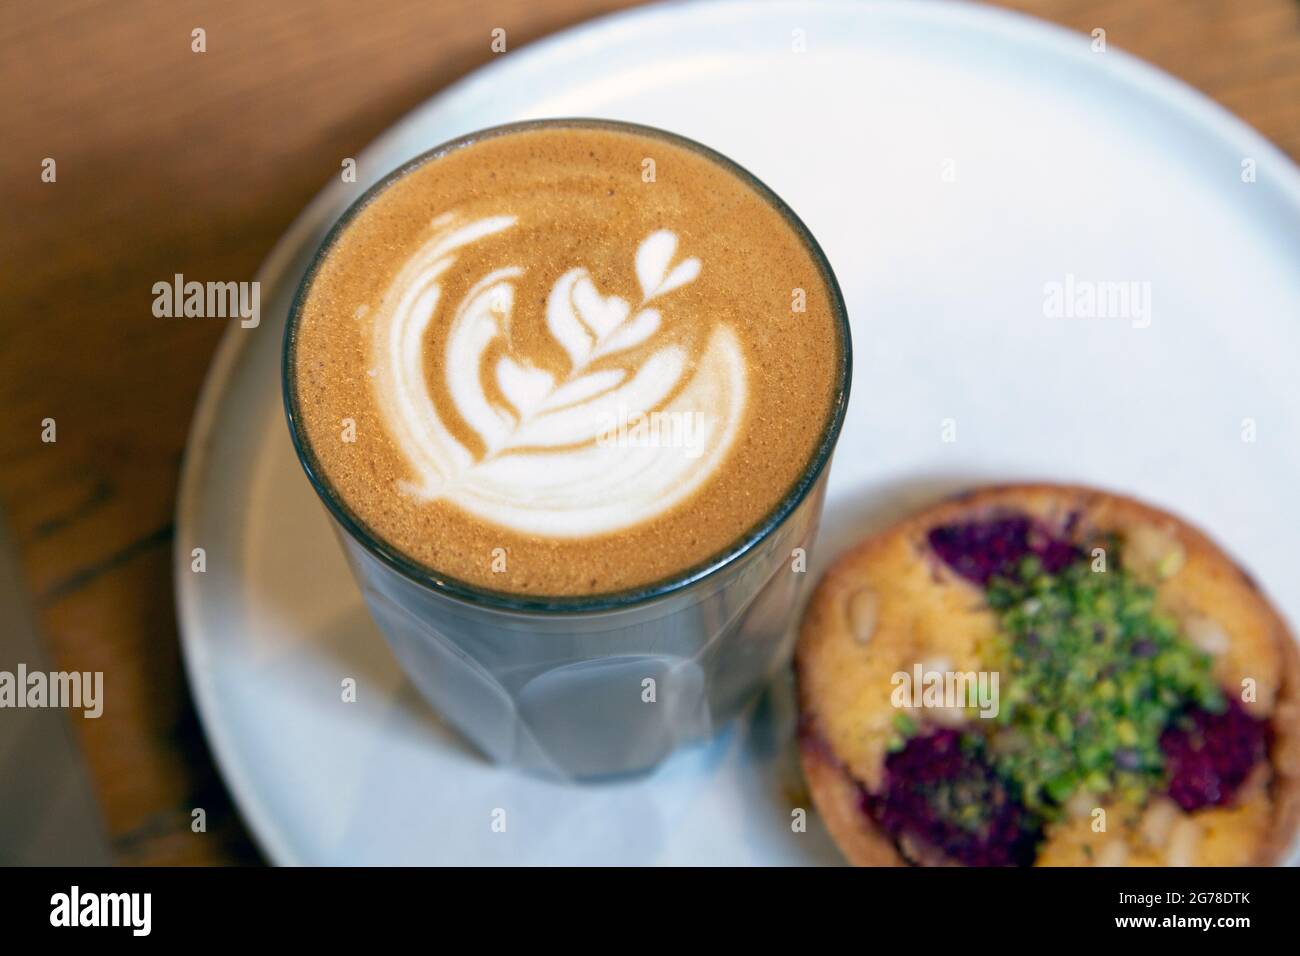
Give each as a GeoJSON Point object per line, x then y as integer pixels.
{"type": "Point", "coordinates": [167, 162]}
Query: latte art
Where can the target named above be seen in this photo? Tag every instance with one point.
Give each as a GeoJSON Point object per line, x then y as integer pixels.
{"type": "Point", "coordinates": [544, 462]}
{"type": "Point", "coordinates": [525, 369]}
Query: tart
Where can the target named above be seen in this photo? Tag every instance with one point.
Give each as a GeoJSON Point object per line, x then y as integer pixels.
{"type": "Point", "coordinates": [1048, 675]}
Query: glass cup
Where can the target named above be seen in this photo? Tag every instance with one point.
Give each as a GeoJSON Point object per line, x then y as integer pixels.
{"type": "Point", "coordinates": [586, 687]}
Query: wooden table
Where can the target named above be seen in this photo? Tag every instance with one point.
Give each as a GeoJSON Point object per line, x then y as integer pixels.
{"type": "Point", "coordinates": [169, 161]}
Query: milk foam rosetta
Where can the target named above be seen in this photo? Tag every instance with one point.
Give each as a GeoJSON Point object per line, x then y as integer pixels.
{"type": "Point", "coordinates": [525, 367]}
{"type": "Point", "coordinates": [551, 457]}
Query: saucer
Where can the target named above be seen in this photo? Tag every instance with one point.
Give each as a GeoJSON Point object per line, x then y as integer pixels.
{"type": "Point", "coordinates": [976, 179]}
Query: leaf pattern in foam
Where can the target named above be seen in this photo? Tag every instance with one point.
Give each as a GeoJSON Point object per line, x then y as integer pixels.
{"type": "Point", "coordinates": [583, 388]}
{"type": "Point", "coordinates": [524, 386]}
{"type": "Point", "coordinates": [585, 421]}
{"type": "Point", "coordinates": [589, 326]}
{"type": "Point", "coordinates": [563, 321]}
{"type": "Point", "coordinates": [544, 469]}
{"type": "Point", "coordinates": [473, 329]}
{"type": "Point", "coordinates": [643, 325]}
{"type": "Point", "coordinates": [601, 314]}
{"type": "Point", "coordinates": [652, 259]}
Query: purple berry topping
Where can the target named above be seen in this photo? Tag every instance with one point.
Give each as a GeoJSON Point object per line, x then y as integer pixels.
{"type": "Point", "coordinates": [1208, 756]}
{"type": "Point", "coordinates": [941, 791]}
{"type": "Point", "coordinates": [982, 550]}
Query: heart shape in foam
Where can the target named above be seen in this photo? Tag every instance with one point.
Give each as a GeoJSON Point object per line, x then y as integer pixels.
{"type": "Point", "coordinates": [653, 257]}
{"type": "Point", "coordinates": [524, 386]}
{"type": "Point", "coordinates": [601, 314]}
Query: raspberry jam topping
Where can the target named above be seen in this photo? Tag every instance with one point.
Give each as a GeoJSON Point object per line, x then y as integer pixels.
{"type": "Point", "coordinates": [982, 550]}
{"type": "Point", "coordinates": [940, 790]}
{"type": "Point", "coordinates": [1208, 756]}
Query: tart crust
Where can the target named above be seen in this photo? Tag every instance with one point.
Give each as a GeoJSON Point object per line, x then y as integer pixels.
{"type": "Point", "coordinates": [890, 601]}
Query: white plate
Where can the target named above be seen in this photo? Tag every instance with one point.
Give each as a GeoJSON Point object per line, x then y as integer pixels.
{"type": "Point", "coordinates": [952, 160]}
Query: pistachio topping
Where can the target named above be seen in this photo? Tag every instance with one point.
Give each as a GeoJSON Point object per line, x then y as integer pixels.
{"type": "Point", "coordinates": [1096, 674]}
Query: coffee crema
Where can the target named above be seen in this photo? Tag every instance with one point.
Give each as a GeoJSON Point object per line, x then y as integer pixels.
{"type": "Point", "coordinates": [563, 360]}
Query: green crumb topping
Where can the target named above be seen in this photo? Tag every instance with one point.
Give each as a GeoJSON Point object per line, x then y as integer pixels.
{"type": "Point", "coordinates": [904, 727]}
{"type": "Point", "coordinates": [1093, 674]}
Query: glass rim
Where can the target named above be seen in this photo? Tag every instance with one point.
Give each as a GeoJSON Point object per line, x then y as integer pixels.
{"type": "Point", "coordinates": [463, 591]}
